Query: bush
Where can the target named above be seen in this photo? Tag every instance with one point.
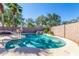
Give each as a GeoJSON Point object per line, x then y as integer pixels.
{"type": "Point", "coordinates": [46, 30]}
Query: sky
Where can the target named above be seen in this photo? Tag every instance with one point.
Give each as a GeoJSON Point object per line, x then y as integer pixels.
{"type": "Point", "coordinates": [67, 11]}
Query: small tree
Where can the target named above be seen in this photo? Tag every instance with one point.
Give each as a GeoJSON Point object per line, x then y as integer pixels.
{"type": "Point", "coordinates": [30, 23]}
{"type": "Point", "coordinates": [53, 19]}
{"type": "Point", "coordinates": [41, 20]}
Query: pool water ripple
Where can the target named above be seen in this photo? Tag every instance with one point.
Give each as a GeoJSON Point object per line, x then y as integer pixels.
{"type": "Point", "coordinates": [36, 41]}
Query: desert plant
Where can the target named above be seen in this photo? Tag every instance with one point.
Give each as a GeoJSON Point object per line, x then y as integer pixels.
{"type": "Point", "coordinates": [46, 30]}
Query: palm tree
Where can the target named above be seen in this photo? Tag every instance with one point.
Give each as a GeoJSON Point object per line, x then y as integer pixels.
{"type": "Point", "coordinates": [7, 18]}
{"type": "Point", "coordinates": [2, 13]}
{"type": "Point", "coordinates": [16, 11]}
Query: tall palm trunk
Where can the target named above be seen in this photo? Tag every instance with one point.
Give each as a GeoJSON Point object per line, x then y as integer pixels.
{"type": "Point", "coordinates": [2, 20]}
{"type": "Point", "coordinates": [2, 13]}
{"type": "Point", "coordinates": [13, 21]}
{"type": "Point", "coordinates": [21, 28]}
{"type": "Point", "coordinates": [9, 20]}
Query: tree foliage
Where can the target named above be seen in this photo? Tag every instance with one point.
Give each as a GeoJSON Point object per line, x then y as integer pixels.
{"type": "Point", "coordinates": [12, 15]}
{"type": "Point", "coordinates": [49, 20]}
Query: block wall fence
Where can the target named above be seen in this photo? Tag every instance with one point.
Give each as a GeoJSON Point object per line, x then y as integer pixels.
{"type": "Point", "coordinates": [69, 31]}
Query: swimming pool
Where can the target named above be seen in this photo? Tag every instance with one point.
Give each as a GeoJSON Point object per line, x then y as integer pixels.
{"type": "Point", "coordinates": [42, 41]}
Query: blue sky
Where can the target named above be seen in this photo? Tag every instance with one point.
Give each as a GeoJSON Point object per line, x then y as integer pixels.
{"type": "Point", "coordinates": [65, 10]}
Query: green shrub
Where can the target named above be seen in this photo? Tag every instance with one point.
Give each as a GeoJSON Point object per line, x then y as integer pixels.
{"type": "Point", "coordinates": [46, 30]}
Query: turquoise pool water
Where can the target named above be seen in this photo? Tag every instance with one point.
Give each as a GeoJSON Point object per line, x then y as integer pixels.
{"type": "Point", "coordinates": [36, 41]}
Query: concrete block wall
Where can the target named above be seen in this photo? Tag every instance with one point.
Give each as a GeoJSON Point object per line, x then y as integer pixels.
{"type": "Point", "coordinates": [69, 31]}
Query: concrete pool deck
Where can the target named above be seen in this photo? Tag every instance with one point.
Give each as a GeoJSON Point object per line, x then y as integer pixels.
{"type": "Point", "coordinates": [70, 49]}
